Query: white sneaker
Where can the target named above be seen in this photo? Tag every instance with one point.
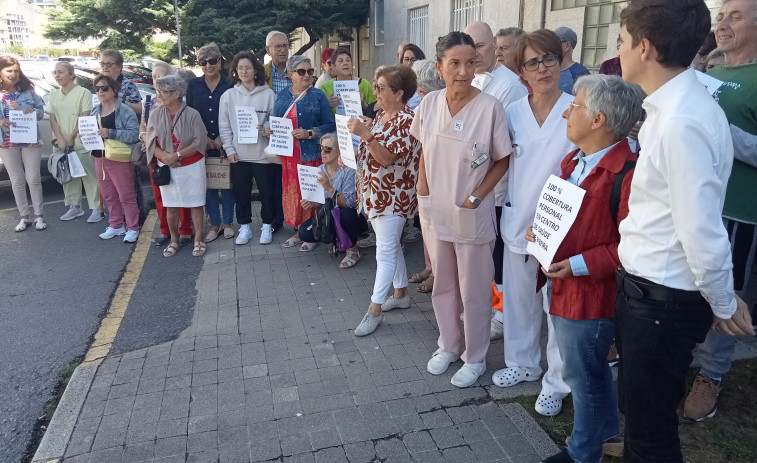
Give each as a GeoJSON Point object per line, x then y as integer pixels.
{"type": "Point", "coordinates": [468, 374]}
{"type": "Point", "coordinates": [496, 329]}
{"type": "Point", "coordinates": [368, 325]}
{"type": "Point", "coordinates": [411, 235]}
{"type": "Point", "coordinates": [391, 303]}
{"type": "Point", "coordinates": [244, 235]}
{"type": "Point", "coordinates": [112, 232]}
{"type": "Point", "coordinates": [440, 361]}
{"type": "Point", "coordinates": [72, 213]}
{"type": "Point", "coordinates": [131, 236]}
{"type": "Point", "coordinates": [95, 216]}
{"type": "Point", "coordinates": [367, 242]}
{"type": "Point", "coordinates": [266, 234]}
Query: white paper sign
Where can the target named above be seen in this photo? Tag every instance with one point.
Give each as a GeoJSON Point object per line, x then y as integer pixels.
{"type": "Point", "coordinates": [346, 148]}
{"type": "Point", "coordinates": [281, 141]}
{"type": "Point", "coordinates": [95, 100]}
{"type": "Point", "coordinates": [247, 125]}
{"type": "Point", "coordinates": [709, 82]}
{"type": "Point", "coordinates": [310, 189]}
{"type": "Point", "coordinates": [88, 133]}
{"type": "Point", "coordinates": [23, 126]}
{"type": "Point", "coordinates": [352, 106]}
{"type": "Point", "coordinates": [556, 211]}
{"type": "Point", "coordinates": [341, 86]}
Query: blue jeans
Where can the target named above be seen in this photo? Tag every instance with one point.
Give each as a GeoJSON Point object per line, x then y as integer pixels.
{"type": "Point", "coordinates": [583, 347]}
{"type": "Point", "coordinates": [213, 209]}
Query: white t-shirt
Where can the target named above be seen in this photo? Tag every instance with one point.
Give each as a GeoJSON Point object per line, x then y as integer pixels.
{"type": "Point", "coordinates": [538, 154]}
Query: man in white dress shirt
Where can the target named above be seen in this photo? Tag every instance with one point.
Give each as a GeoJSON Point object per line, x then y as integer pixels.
{"type": "Point", "coordinates": [497, 80]}
{"type": "Point", "coordinates": [674, 250]}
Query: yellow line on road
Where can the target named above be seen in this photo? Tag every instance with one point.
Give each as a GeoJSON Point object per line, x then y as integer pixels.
{"type": "Point", "coordinates": [106, 334]}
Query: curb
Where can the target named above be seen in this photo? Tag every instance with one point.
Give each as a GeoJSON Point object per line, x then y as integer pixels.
{"type": "Point", "coordinates": [61, 427]}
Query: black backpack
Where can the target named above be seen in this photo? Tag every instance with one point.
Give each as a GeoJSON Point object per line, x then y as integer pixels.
{"type": "Point", "coordinates": [617, 186]}
{"type": "Point", "coordinates": [323, 223]}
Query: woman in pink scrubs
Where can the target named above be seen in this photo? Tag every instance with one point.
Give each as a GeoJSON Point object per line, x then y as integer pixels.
{"type": "Point", "coordinates": [465, 141]}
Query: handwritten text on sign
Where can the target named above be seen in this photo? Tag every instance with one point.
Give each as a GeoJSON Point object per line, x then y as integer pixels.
{"type": "Point", "coordinates": [247, 125]}
{"type": "Point", "coordinates": [23, 126]}
{"type": "Point", "coordinates": [282, 141]}
{"type": "Point", "coordinates": [88, 133]}
{"type": "Point", "coordinates": [310, 189]}
{"type": "Point", "coordinates": [346, 147]}
{"type": "Point", "coordinates": [556, 211]}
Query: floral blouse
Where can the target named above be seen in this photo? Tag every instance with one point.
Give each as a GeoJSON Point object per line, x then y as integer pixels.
{"type": "Point", "coordinates": [390, 190]}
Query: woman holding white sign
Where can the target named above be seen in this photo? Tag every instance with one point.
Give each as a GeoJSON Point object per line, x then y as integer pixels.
{"type": "Point", "coordinates": [243, 117]}
{"type": "Point", "coordinates": [465, 154]}
{"type": "Point", "coordinates": [22, 160]}
{"type": "Point", "coordinates": [310, 113]}
{"type": "Point", "coordinates": [539, 143]}
{"type": "Point", "coordinates": [342, 63]}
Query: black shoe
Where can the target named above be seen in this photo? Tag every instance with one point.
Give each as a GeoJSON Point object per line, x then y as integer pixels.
{"type": "Point", "coordinates": [562, 457]}
{"type": "Point", "coordinates": [277, 226]}
{"type": "Point", "coordinates": [161, 241]}
{"type": "Point", "coordinates": [185, 241]}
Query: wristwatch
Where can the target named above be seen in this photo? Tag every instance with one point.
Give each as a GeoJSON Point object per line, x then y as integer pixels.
{"type": "Point", "coordinates": [476, 201]}
{"type": "Point", "coordinates": [311, 134]}
{"type": "Point", "coordinates": [178, 155]}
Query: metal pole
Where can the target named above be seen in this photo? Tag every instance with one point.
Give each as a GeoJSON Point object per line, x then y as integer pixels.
{"type": "Point", "coordinates": [178, 31]}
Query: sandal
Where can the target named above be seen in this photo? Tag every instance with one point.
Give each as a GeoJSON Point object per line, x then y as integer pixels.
{"type": "Point", "coordinates": [22, 225]}
{"type": "Point", "coordinates": [419, 277]}
{"type": "Point", "coordinates": [292, 242]}
{"type": "Point", "coordinates": [39, 223]}
{"type": "Point", "coordinates": [507, 377]}
{"type": "Point", "coordinates": [228, 232]}
{"type": "Point", "coordinates": [199, 249]}
{"type": "Point", "coordinates": [307, 247]}
{"type": "Point", "coordinates": [426, 285]}
{"type": "Point", "coordinates": [171, 249]}
{"type": "Point", "coordinates": [211, 236]}
{"type": "Point", "coordinates": [161, 240]}
{"type": "Point", "coordinates": [350, 260]}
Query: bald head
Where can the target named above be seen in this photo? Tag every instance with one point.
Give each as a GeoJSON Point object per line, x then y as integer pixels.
{"type": "Point", "coordinates": [483, 37]}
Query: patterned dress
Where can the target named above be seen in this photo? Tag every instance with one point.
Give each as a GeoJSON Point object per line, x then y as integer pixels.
{"type": "Point", "coordinates": [294, 214]}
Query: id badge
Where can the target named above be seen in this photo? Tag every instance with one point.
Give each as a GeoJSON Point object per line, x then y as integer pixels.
{"type": "Point", "coordinates": [479, 160]}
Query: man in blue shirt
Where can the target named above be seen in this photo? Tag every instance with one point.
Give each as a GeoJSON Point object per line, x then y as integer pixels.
{"type": "Point", "coordinates": [570, 71]}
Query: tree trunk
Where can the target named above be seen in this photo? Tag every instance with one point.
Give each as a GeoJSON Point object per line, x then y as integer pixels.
{"type": "Point", "coordinates": [314, 38]}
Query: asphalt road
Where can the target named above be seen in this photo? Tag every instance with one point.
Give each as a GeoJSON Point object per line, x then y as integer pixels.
{"type": "Point", "coordinates": [55, 285]}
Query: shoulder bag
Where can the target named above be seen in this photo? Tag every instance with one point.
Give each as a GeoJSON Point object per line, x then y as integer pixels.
{"type": "Point", "coordinates": [218, 172]}
{"type": "Point", "coordinates": [161, 175]}
{"type": "Point", "coordinates": [115, 150]}
{"type": "Point", "coordinates": [57, 165]}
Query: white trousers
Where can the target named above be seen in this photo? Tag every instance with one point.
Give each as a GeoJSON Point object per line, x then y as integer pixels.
{"type": "Point", "coordinates": [390, 262]}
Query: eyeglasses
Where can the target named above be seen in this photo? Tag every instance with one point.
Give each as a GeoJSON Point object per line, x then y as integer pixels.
{"type": "Point", "coordinates": [163, 92]}
{"type": "Point", "coordinates": [211, 61]}
{"type": "Point", "coordinates": [379, 88]}
{"type": "Point", "coordinates": [104, 65]}
{"type": "Point", "coordinates": [102, 88]}
{"type": "Point", "coordinates": [548, 62]}
{"type": "Point", "coordinates": [280, 46]}
{"type": "Point", "coordinates": [302, 72]}
{"type": "Point", "coordinates": [409, 60]}
{"type": "Point", "coordinates": [245, 69]}
{"type": "Point", "coordinates": [326, 149]}
{"type": "Point", "coordinates": [573, 105]}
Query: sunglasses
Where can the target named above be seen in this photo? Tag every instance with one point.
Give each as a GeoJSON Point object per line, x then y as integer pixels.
{"type": "Point", "coordinates": [326, 149]}
{"type": "Point", "coordinates": [302, 72]}
{"type": "Point", "coordinates": [211, 61]}
{"type": "Point", "coordinates": [102, 88]}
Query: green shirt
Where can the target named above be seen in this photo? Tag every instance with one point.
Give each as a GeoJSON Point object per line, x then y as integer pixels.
{"type": "Point", "coordinates": [67, 109]}
{"type": "Point", "coordinates": [364, 87]}
{"type": "Point", "coordinates": [738, 98]}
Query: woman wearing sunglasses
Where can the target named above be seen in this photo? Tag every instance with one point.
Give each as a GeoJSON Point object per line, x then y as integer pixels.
{"type": "Point", "coordinates": [540, 141]}
{"type": "Point", "coordinates": [115, 178]}
{"type": "Point", "coordinates": [310, 113]}
{"type": "Point", "coordinates": [204, 95]}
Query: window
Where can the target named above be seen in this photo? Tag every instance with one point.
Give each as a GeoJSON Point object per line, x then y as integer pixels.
{"type": "Point", "coordinates": [465, 12]}
{"type": "Point", "coordinates": [597, 20]}
{"type": "Point", "coordinates": [378, 23]}
{"type": "Point", "coordinates": [418, 27]}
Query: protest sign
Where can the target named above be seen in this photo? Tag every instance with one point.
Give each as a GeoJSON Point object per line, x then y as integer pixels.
{"type": "Point", "coordinates": [281, 141]}
{"type": "Point", "coordinates": [352, 106]}
{"type": "Point", "coordinates": [88, 133]}
{"type": "Point", "coordinates": [310, 189]}
{"type": "Point", "coordinates": [710, 83]}
{"type": "Point", "coordinates": [558, 206]}
{"type": "Point", "coordinates": [23, 126]}
{"type": "Point", "coordinates": [346, 147]}
{"type": "Point", "coordinates": [341, 86]}
{"type": "Point", "coordinates": [247, 125]}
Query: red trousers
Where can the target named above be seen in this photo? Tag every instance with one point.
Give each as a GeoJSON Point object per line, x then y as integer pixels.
{"type": "Point", "coordinates": [185, 214]}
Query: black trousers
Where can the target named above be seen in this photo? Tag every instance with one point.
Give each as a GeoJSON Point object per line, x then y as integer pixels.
{"type": "Point", "coordinates": [352, 223]}
{"type": "Point", "coordinates": [498, 255]}
{"type": "Point", "coordinates": [242, 174]}
{"type": "Point", "coordinates": [657, 329]}
{"type": "Point", "coordinates": [278, 196]}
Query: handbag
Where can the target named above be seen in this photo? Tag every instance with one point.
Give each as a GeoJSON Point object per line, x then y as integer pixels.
{"type": "Point", "coordinates": [218, 172]}
{"type": "Point", "coordinates": [323, 222]}
{"type": "Point", "coordinates": [161, 175]}
{"type": "Point", "coordinates": [116, 150]}
{"type": "Point", "coordinates": [342, 241]}
{"type": "Point", "coordinates": [138, 156]}
{"type": "Point", "coordinates": [57, 165]}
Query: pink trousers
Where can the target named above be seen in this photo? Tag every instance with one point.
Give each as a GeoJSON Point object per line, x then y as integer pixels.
{"type": "Point", "coordinates": [462, 273]}
{"type": "Point", "coordinates": [116, 182]}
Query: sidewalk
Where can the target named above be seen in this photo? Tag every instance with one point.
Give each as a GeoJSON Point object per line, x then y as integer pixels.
{"type": "Point", "coordinates": [269, 371]}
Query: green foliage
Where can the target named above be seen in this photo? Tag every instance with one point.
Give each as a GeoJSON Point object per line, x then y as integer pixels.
{"type": "Point", "coordinates": [165, 51]}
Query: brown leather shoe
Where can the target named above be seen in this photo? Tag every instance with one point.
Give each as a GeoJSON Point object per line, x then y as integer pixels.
{"type": "Point", "coordinates": [702, 401]}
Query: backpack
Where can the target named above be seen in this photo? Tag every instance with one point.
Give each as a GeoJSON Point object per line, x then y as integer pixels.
{"type": "Point", "coordinates": [323, 223]}
{"type": "Point", "coordinates": [617, 185]}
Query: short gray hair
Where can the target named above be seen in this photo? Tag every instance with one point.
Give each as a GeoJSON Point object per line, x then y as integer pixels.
{"type": "Point", "coordinates": [273, 34]}
{"type": "Point", "coordinates": [296, 60]}
{"type": "Point", "coordinates": [618, 100]}
{"type": "Point", "coordinates": [172, 83]}
{"type": "Point", "coordinates": [185, 74]}
{"type": "Point", "coordinates": [428, 77]}
{"type": "Point", "coordinates": [508, 31]}
{"type": "Point", "coordinates": [333, 137]}
{"type": "Point", "coordinates": [162, 64]}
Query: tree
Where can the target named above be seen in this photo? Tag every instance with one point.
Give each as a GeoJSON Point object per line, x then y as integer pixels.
{"type": "Point", "coordinates": [243, 25]}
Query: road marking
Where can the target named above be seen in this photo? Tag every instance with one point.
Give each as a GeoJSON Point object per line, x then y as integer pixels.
{"type": "Point", "coordinates": [106, 334]}
{"type": "Point", "coordinates": [46, 203]}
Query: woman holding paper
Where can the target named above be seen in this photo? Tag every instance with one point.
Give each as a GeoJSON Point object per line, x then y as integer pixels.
{"type": "Point", "coordinates": [310, 113]}
{"type": "Point", "coordinates": [342, 62]}
{"type": "Point", "coordinates": [115, 177]}
{"type": "Point", "coordinates": [250, 99]}
{"type": "Point", "coordinates": [65, 106]}
{"type": "Point", "coordinates": [466, 145]}
{"type": "Point", "coordinates": [389, 156]}
{"type": "Point", "coordinates": [22, 160]}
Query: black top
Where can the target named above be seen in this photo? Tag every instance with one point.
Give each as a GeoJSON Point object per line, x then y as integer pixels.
{"type": "Point", "coordinates": [206, 102]}
{"type": "Point", "coordinates": [106, 122]}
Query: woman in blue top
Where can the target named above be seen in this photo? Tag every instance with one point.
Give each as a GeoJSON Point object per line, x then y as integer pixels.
{"type": "Point", "coordinates": [310, 113]}
{"type": "Point", "coordinates": [22, 160]}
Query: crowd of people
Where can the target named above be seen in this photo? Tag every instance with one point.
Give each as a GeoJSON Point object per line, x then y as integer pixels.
{"type": "Point", "coordinates": [656, 263]}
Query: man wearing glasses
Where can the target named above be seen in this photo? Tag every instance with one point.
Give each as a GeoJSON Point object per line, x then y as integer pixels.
{"type": "Point", "coordinates": [111, 64]}
{"type": "Point", "coordinates": [277, 47]}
